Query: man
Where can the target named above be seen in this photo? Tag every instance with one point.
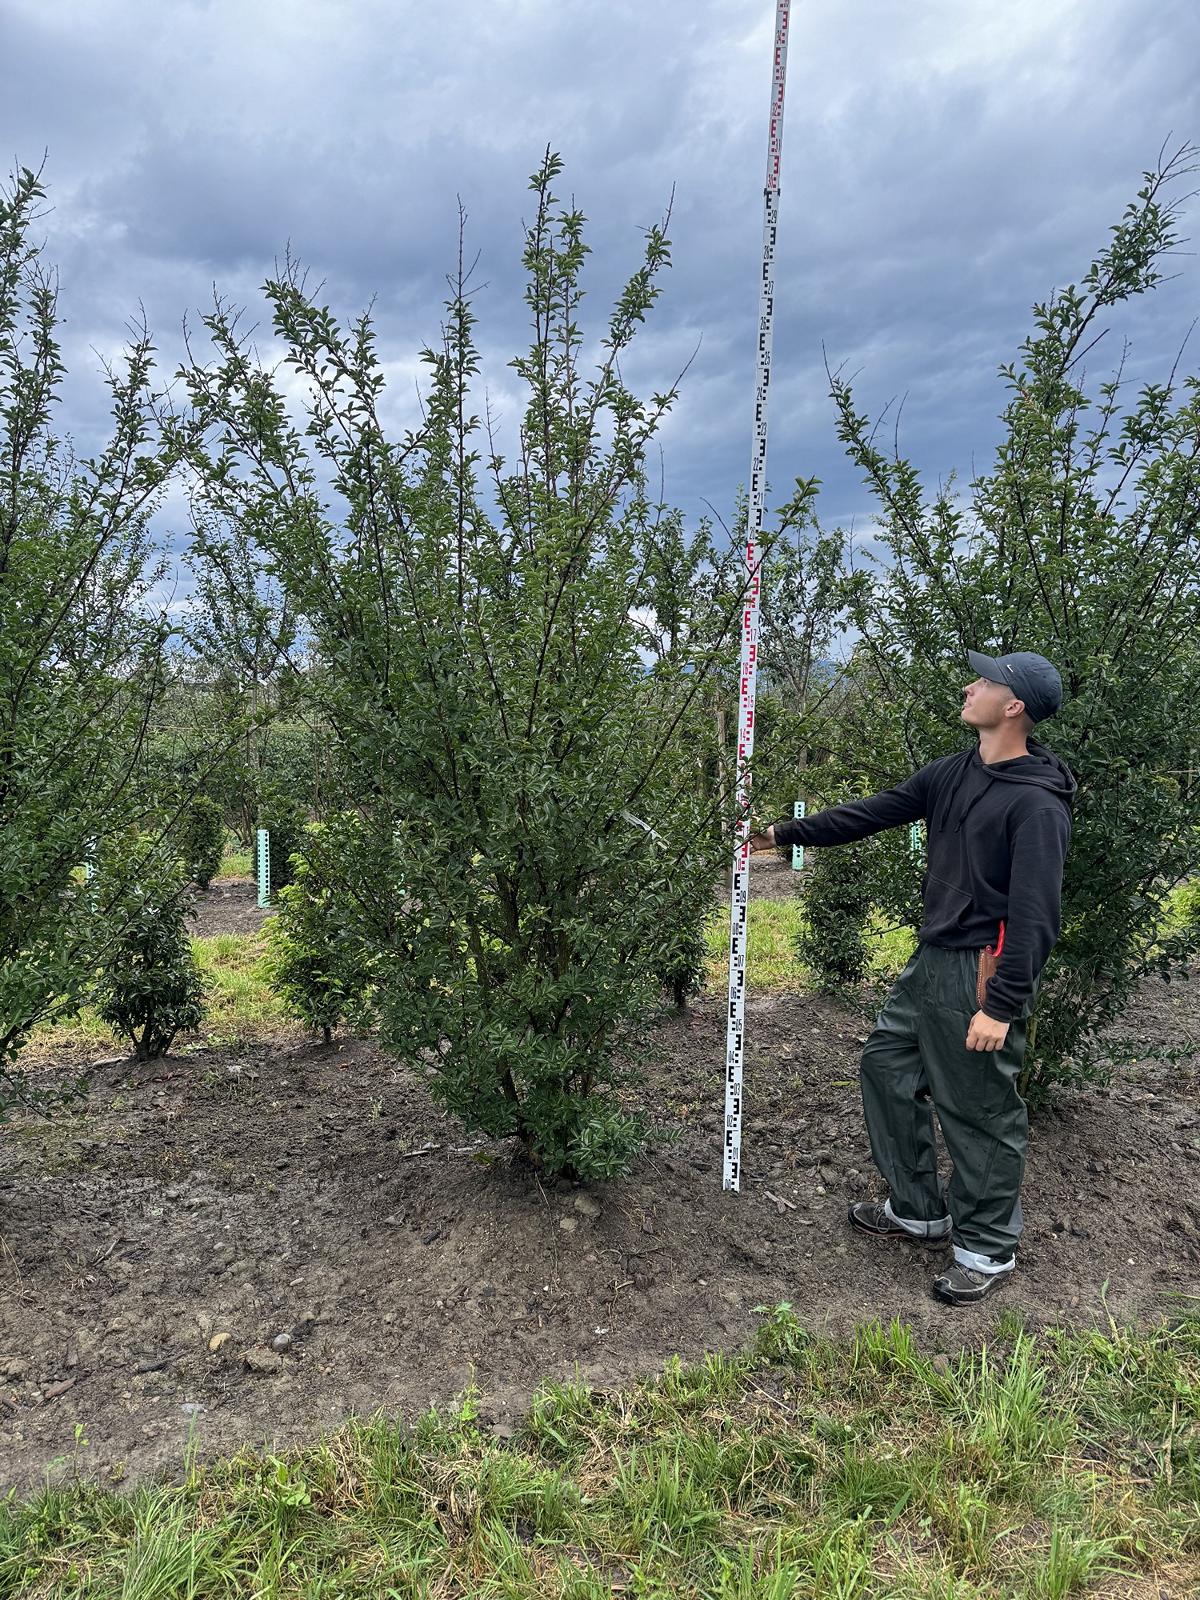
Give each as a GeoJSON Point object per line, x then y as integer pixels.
{"type": "Point", "coordinates": [952, 1032]}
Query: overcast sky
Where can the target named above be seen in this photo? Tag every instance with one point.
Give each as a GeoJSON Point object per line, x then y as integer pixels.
{"type": "Point", "coordinates": [945, 163]}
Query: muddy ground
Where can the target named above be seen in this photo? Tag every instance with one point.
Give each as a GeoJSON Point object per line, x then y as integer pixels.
{"type": "Point", "coordinates": [155, 1242]}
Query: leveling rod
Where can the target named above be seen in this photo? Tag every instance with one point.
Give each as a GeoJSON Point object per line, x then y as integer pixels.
{"type": "Point", "coordinates": [748, 677]}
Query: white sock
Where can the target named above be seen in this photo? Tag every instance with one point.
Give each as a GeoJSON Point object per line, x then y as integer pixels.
{"type": "Point", "coordinates": [922, 1230]}
{"type": "Point", "coordinates": [985, 1264]}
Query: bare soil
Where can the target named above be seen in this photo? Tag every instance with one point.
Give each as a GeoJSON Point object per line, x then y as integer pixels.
{"type": "Point", "coordinates": [230, 905]}
{"type": "Point", "coordinates": [193, 1210]}
{"type": "Point", "coordinates": [772, 877]}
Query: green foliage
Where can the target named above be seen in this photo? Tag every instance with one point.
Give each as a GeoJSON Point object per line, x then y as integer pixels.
{"type": "Point", "coordinates": [685, 956]}
{"type": "Point", "coordinates": [1183, 907]}
{"type": "Point", "coordinates": [149, 987]}
{"type": "Point", "coordinates": [1081, 542]}
{"type": "Point", "coordinates": [203, 841]}
{"type": "Point", "coordinates": [251, 768]}
{"type": "Point", "coordinates": [808, 586]}
{"type": "Point", "coordinates": [837, 903]}
{"type": "Point", "coordinates": [317, 963]}
{"type": "Point", "coordinates": [81, 655]}
{"type": "Point", "coordinates": [285, 821]}
{"type": "Point", "coordinates": [805, 593]}
{"type": "Point", "coordinates": [683, 945]}
{"type": "Point", "coordinates": [476, 665]}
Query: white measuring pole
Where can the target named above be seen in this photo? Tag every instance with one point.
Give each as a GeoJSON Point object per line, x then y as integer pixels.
{"type": "Point", "coordinates": [740, 897]}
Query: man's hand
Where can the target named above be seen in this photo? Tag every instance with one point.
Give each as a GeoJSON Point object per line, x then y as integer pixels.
{"type": "Point", "coordinates": [762, 841]}
{"type": "Point", "coordinates": [985, 1033]}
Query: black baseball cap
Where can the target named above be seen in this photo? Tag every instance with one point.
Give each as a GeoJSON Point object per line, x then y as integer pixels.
{"type": "Point", "coordinates": [1031, 678]}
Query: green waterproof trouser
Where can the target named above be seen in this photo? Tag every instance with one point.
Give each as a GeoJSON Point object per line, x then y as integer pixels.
{"type": "Point", "coordinates": [916, 1062]}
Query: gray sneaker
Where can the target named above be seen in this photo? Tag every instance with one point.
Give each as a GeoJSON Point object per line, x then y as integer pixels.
{"type": "Point", "coordinates": [873, 1217]}
{"type": "Point", "coordinates": [960, 1286]}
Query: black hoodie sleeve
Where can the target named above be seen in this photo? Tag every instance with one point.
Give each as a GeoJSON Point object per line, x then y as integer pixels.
{"type": "Point", "coordinates": [1034, 914]}
{"type": "Point", "coordinates": [858, 818]}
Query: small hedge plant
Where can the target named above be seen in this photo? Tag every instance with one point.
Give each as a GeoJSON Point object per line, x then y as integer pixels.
{"type": "Point", "coordinates": [685, 955]}
{"type": "Point", "coordinates": [315, 962]}
{"type": "Point", "coordinates": [837, 903]}
{"type": "Point", "coordinates": [286, 825]}
{"type": "Point", "coordinates": [149, 987]}
{"type": "Point", "coordinates": [203, 840]}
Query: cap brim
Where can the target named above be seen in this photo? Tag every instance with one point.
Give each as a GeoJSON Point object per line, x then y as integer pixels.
{"type": "Point", "coordinates": [988, 667]}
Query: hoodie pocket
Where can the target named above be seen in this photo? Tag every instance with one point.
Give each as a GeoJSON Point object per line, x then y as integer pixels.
{"type": "Point", "coordinates": [946, 905]}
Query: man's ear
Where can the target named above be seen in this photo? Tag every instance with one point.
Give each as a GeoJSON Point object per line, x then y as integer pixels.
{"type": "Point", "coordinates": [1015, 708]}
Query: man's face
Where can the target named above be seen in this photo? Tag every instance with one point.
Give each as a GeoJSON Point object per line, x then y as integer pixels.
{"type": "Point", "coordinates": [985, 702]}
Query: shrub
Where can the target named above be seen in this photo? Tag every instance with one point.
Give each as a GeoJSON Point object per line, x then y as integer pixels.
{"type": "Point", "coordinates": [479, 669]}
{"type": "Point", "coordinates": [685, 955]}
{"type": "Point", "coordinates": [285, 822]}
{"type": "Point", "coordinates": [203, 840]}
{"type": "Point", "coordinates": [317, 963]}
{"type": "Point", "coordinates": [149, 987]}
{"type": "Point", "coordinates": [837, 903]}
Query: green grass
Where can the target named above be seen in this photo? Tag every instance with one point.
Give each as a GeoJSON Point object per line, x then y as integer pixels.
{"type": "Point", "coordinates": [241, 1004]}
{"type": "Point", "coordinates": [1039, 1467]}
{"type": "Point", "coordinates": [771, 932]}
{"type": "Point", "coordinates": [1036, 1468]}
{"type": "Point", "coordinates": [237, 864]}
{"type": "Point", "coordinates": [1182, 906]}
{"type": "Point", "coordinates": [243, 1007]}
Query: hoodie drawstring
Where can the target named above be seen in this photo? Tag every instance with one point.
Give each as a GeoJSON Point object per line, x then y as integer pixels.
{"type": "Point", "coordinates": [952, 796]}
{"type": "Point", "coordinates": [967, 808]}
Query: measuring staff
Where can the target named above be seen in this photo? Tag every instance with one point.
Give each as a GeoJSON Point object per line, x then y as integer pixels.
{"type": "Point", "coordinates": [951, 1037]}
{"type": "Point", "coordinates": [739, 898]}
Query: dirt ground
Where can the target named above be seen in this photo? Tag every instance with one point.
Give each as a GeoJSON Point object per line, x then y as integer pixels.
{"type": "Point", "coordinates": [158, 1240]}
{"type": "Point", "coordinates": [229, 906]}
{"type": "Point", "coordinates": [771, 878]}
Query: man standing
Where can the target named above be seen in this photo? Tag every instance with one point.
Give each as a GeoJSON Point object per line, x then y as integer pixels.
{"type": "Point", "coordinates": [951, 1036]}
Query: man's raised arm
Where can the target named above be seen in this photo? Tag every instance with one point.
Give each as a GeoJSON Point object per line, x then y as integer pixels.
{"type": "Point", "coordinates": [854, 820]}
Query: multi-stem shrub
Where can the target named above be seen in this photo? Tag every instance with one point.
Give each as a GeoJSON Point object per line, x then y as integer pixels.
{"type": "Point", "coordinates": [149, 987]}
{"type": "Point", "coordinates": [317, 960]}
{"type": "Point", "coordinates": [477, 663]}
{"type": "Point", "coordinates": [203, 841]}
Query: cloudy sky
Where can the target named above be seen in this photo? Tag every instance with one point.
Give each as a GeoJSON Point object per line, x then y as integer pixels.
{"type": "Point", "coordinates": [945, 163]}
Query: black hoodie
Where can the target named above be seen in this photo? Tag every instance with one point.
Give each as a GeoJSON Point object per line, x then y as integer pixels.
{"type": "Point", "coordinates": [997, 839]}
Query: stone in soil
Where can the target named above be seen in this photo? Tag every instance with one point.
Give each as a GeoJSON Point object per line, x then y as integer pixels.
{"type": "Point", "coordinates": [261, 1360]}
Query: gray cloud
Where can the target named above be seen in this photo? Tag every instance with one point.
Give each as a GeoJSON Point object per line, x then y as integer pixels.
{"type": "Point", "coordinates": [944, 165]}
